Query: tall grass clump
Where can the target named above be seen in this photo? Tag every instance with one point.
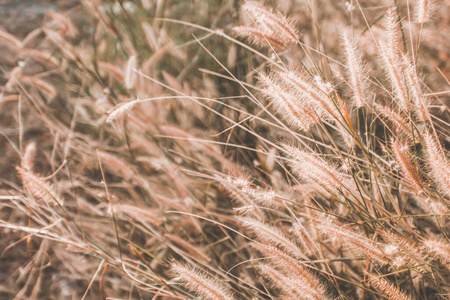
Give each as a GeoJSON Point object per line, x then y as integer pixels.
{"type": "Point", "coordinates": [178, 150]}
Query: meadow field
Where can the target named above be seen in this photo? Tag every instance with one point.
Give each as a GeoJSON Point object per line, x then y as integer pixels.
{"type": "Point", "coordinates": [225, 149]}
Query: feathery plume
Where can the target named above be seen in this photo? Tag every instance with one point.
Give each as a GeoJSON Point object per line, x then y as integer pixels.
{"type": "Point", "coordinates": [270, 21]}
{"type": "Point", "coordinates": [303, 88]}
{"type": "Point", "coordinates": [440, 249]}
{"type": "Point", "coordinates": [356, 72]}
{"type": "Point", "coordinates": [269, 27]}
{"type": "Point", "coordinates": [323, 85]}
{"type": "Point", "coordinates": [37, 186]}
{"type": "Point", "coordinates": [312, 167]}
{"type": "Point", "coordinates": [201, 283]}
{"type": "Point", "coordinates": [395, 75]}
{"type": "Point", "coordinates": [405, 245]}
{"type": "Point", "coordinates": [438, 162]}
{"type": "Point", "coordinates": [431, 206]}
{"type": "Point", "coordinates": [398, 120]}
{"type": "Point", "coordinates": [355, 242]}
{"type": "Point", "coordinates": [273, 235]}
{"type": "Point", "coordinates": [232, 186]}
{"type": "Point", "coordinates": [392, 28]}
{"type": "Point", "coordinates": [387, 288]}
{"type": "Point", "coordinates": [120, 111]}
{"type": "Point", "coordinates": [277, 279]}
{"type": "Point", "coordinates": [290, 287]}
{"type": "Point", "coordinates": [293, 269]}
{"type": "Point", "coordinates": [390, 54]}
{"type": "Point", "coordinates": [345, 136]}
{"type": "Point", "coordinates": [408, 252]}
{"type": "Point", "coordinates": [423, 11]}
{"type": "Point", "coordinates": [436, 207]}
{"type": "Point", "coordinates": [304, 239]}
{"type": "Point", "coordinates": [130, 75]}
{"type": "Point", "coordinates": [295, 109]}
{"type": "Point", "coordinates": [409, 171]}
{"type": "Point", "coordinates": [28, 157]}
{"type": "Point", "coordinates": [254, 194]}
{"type": "Point", "coordinates": [258, 37]}
{"type": "Point", "coordinates": [242, 187]}
{"type": "Point", "coordinates": [113, 70]}
{"type": "Point", "coordinates": [267, 198]}
{"type": "Point", "coordinates": [420, 102]}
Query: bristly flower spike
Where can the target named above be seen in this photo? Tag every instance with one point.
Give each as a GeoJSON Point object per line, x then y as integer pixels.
{"type": "Point", "coordinates": [202, 284]}
{"type": "Point", "coordinates": [356, 72]}
{"type": "Point", "coordinates": [269, 27]}
{"type": "Point", "coordinates": [438, 163]}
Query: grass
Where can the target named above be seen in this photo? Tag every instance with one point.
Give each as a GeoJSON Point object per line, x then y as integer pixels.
{"type": "Point", "coordinates": [179, 150]}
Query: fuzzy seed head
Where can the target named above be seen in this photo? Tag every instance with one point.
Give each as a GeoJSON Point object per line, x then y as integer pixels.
{"type": "Point", "coordinates": [120, 111]}
{"type": "Point", "coordinates": [37, 186]}
{"type": "Point", "coordinates": [355, 242]}
{"type": "Point", "coordinates": [398, 120]}
{"type": "Point", "coordinates": [291, 287]}
{"type": "Point", "coordinates": [201, 283]}
{"type": "Point", "coordinates": [438, 163]}
{"type": "Point", "coordinates": [440, 249]}
{"type": "Point", "coordinates": [392, 28]}
{"type": "Point", "coordinates": [314, 168]}
{"type": "Point", "coordinates": [293, 269]}
{"type": "Point", "coordinates": [356, 71]}
{"type": "Point", "coordinates": [408, 169]}
{"type": "Point", "coordinates": [269, 27]}
{"type": "Point", "coordinates": [387, 288]}
{"type": "Point", "coordinates": [420, 102]}
{"type": "Point", "coordinates": [29, 156]}
{"type": "Point", "coordinates": [294, 109]}
{"type": "Point", "coordinates": [423, 11]}
{"type": "Point", "coordinates": [274, 236]}
{"type": "Point", "coordinates": [130, 74]}
{"type": "Point", "coordinates": [304, 89]}
{"type": "Point", "coordinates": [395, 74]}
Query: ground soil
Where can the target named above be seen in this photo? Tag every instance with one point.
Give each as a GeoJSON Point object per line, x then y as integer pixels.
{"type": "Point", "coordinates": [20, 17]}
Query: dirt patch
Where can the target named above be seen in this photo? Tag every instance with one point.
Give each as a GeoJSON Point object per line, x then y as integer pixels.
{"type": "Point", "coordinates": [20, 17]}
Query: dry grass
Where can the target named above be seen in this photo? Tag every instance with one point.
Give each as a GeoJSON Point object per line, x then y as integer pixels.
{"type": "Point", "coordinates": [149, 152]}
